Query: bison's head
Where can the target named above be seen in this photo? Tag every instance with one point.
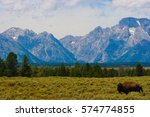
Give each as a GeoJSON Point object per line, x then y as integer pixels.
{"type": "Point", "coordinates": [119, 88]}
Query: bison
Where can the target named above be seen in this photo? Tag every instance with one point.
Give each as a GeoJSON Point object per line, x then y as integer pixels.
{"type": "Point", "coordinates": [127, 87]}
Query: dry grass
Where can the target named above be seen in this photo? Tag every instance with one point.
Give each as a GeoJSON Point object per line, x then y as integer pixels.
{"type": "Point", "coordinates": [60, 88]}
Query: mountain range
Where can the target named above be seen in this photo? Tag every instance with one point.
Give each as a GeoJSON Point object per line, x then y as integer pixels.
{"type": "Point", "coordinates": [128, 41]}
{"type": "Point", "coordinates": [44, 46]}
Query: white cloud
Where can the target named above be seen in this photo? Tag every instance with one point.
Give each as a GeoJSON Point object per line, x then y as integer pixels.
{"type": "Point", "coordinates": [6, 2]}
{"type": "Point", "coordinates": [134, 8]}
{"type": "Point", "coordinates": [48, 4]}
{"type": "Point", "coordinates": [71, 2]}
{"type": "Point", "coordinates": [36, 8]}
{"type": "Point", "coordinates": [45, 4]}
{"type": "Point", "coordinates": [80, 16]}
{"type": "Point", "coordinates": [130, 3]}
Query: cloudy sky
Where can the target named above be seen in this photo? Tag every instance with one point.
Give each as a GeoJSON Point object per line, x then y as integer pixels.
{"type": "Point", "coordinates": [64, 17]}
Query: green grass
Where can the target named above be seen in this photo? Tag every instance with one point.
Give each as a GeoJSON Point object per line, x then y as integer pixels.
{"type": "Point", "coordinates": [65, 88]}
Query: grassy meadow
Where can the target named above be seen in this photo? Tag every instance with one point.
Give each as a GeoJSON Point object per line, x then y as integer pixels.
{"type": "Point", "coordinates": [66, 88]}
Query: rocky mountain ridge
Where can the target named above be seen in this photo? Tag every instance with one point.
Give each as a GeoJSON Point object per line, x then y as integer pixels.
{"type": "Point", "coordinates": [128, 41]}
{"type": "Point", "coordinates": [123, 42]}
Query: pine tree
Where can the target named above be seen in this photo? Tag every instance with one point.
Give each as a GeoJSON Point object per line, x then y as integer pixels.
{"type": "Point", "coordinates": [2, 67]}
{"type": "Point", "coordinates": [121, 71]}
{"type": "Point", "coordinates": [76, 70]}
{"type": "Point", "coordinates": [11, 64]}
{"type": "Point", "coordinates": [25, 67]}
{"type": "Point", "coordinates": [61, 71]}
{"type": "Point", "coordinates": [139, 70]}
{"type": "Point", "coordinates": [97, 71]}
{"type": "Point", "coordinates": [105, 72]}
{"type": "Point", "coordinates": [86, 70]}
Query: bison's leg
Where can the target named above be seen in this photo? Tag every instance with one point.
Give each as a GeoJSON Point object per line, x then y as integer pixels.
{"type": "Point", "coordinates": [141, 89]}
{"type": "Point", "coordinates": [126, 92]}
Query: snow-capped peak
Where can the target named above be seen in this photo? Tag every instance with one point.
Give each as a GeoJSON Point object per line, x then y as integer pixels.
{"type": "Point", "coordinates": [14, 32]}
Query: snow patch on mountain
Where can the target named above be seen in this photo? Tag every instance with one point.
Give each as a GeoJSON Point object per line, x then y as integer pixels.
{"type": "Point", "coordinates": [132, 31]}
{"type": "Point", "coordinates": [138, 22]}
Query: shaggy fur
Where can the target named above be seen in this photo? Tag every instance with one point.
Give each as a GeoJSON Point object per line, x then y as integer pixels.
{"type": "Point", "coordinates": [127, 87]}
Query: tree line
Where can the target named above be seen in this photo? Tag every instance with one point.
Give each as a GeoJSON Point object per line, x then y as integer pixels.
{"type": "Point", "coordinates": [10, 68]}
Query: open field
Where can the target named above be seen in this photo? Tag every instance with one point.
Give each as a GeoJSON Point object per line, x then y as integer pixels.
{"type": "Point", "coordinates": [70, 88]}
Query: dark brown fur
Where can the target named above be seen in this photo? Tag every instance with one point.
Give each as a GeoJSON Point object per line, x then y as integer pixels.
{"type": "Point", "coordinates": [127, 87]}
